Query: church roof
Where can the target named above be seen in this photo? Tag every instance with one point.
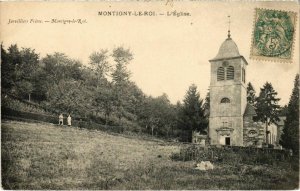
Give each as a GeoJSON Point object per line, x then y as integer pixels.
{"type": "Point", "coordinates": [228, 49]}
{"type": "Point", "coordinates": [250, 110]}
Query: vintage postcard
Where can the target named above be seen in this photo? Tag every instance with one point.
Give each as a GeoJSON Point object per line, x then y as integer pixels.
{"type": "Point", "coordinates": [149, 95]}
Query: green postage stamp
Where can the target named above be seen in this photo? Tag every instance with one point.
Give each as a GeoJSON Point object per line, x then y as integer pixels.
{"type": "Point", "coordinates": [273, 35]}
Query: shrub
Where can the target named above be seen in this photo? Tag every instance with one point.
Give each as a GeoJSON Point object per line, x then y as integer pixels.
{"type": "Point", "coordinates": [230, 155]}
{"type": "Point", "coordinates": [28, 115]}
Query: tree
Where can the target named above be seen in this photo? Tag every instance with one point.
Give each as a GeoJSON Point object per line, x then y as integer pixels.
{"type": "Point", "coordinates": [283, 110]}
{"type": "Point", "coordinates": [104, 101]}
{"type": "Point", "coordinates": [120, 77]}
{"type": "Point", "coordinates": [122, 57]}
{"type": "Point", "coordinates": [99, 63]}
{"type": "Point", "coordinates": [18, 70]}
{"type": "Point", "coordinates": [165, 115]}
{"type": "Point", "coordinates": [103, 94]}
{"type": "Point", "coordinates": [25, 88]}
{"type": "Point", "coordinates": [191, 116]}
{"type": "Point", "coordinates": [69, 96]}
{"type": "Point", "coordinates": [251, 98]}
{"type": "Point", "coordinates": [267, 107]}
{"type": "Point", "coordinates": [7, 70]}
{"type": "Point", "coordinates": [157, 116]}
{"type": "Point", "coordinates": [206, 105]}
{"type": "Point", "coordinates": [60, 67]}
{"type": "Point", "coordinates": [290, 136]}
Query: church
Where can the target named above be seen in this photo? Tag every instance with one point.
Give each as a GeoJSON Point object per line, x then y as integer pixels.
{"type": "Point", "coordinates": [231, 117]}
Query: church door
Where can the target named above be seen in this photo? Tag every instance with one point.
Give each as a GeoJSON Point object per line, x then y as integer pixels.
{"type": "Point", "coordinates": [227, 140]}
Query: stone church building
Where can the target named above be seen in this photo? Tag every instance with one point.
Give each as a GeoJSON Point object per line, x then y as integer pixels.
{"type": "Point", "coordinates": [231, 117]}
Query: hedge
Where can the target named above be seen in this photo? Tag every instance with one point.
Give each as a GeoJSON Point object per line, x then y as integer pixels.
{"type": "Point", "coordinates": [8, 113]}
{"type": "Point", "coordinates": [231, 154]}
{"type": "Point", "coordinates": [28, 115]}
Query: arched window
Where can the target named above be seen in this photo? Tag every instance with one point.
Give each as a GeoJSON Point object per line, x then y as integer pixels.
{"type": "Point", "coordinates": [220, 74]}
{"type": "Point", "coordinates": [225, 100]}
{"type": "Point", "coordinates": [230, 73]}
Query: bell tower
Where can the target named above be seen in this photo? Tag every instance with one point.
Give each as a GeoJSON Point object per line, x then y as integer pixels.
{"type": "Point", "coordinates": [227, 95]}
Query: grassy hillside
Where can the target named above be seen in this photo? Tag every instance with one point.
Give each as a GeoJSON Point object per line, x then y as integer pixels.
{"type": "Point", "coordinates": [45, 156]}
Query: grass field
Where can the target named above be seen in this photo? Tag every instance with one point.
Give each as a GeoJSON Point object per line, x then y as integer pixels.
{"type": "Point", "coordinates": [45, 156]}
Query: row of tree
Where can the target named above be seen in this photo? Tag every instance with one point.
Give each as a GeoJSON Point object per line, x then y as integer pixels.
{"type": "Point", "coordinates": [101, 90]}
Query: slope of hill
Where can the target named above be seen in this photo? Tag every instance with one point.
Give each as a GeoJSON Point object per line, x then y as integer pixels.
{"type": "Point", "coordinates": [45, 156]}
{"type": "Point", "coordinates": [38, 156]}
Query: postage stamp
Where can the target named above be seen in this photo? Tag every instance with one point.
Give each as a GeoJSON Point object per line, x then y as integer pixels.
{"type": "Point", "coordinates": [273, 35]}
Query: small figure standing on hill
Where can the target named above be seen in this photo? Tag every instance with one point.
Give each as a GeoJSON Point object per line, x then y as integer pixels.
{"type": "Point", "coordinates": [61, 119]}
{"type": "Point", "coordinates": [69, 119]}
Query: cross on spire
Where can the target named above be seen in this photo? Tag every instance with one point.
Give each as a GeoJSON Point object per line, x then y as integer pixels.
{"type": "Point", "coordinates": [228, 26]}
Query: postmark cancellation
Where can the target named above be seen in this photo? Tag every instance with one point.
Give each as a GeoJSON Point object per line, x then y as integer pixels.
{"type": "Point", "coordinates": [273, 35]}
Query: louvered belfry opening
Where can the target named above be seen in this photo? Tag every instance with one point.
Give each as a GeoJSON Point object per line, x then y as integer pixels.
{"type": "Point", "coordinates": [230, 73]}
{"type": "Point", "coordinates": [220, 74]}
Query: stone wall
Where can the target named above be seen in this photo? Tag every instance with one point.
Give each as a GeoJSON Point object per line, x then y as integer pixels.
{"type": "Point", "coordinates": [198, 138]}
{"type": "Point", "coordinates": [253, 133]}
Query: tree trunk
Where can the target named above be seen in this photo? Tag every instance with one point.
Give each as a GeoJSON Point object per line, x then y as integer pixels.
{"type": "Point", "coordinates": [29, 97]}
{"type": "Point", "coordinates": [105, 119]}
{"type": "Point", "coordinates": [152, 129]}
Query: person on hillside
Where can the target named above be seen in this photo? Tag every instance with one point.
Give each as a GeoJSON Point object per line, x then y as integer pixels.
{"type": "Point", "coordinates": [69, 119]}
{"type": "Point", "coordinates": [61, 119]}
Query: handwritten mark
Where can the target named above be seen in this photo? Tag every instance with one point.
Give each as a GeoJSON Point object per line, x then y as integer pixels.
{"type": "Point", "coordinates": [170, 3]}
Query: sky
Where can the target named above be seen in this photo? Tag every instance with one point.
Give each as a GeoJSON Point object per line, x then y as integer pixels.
{"type": "Point", "coordinates": [170, 53]}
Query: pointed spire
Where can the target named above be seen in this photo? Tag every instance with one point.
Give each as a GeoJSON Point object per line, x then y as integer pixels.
{"type": "Point", "coordinates": [228, 27]}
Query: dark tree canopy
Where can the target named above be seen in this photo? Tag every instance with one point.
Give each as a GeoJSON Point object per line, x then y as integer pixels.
{"type": "Point", "coordinates": [191, 115]}
{"type": "Point", "coordinates": [290, 136]}
{"type": "Point", "coordinates": [251, 98]}
{"type": "Point", "coordinates": [267, 107]}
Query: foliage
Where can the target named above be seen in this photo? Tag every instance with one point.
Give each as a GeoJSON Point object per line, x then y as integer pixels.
{"type": "Point", "coordinates": [122, 57]}
{"type": "Point", "coordinates": [191, 115]}
{"type": "Point", "coordinates": [251, 98]}
{"type": "Point", "coordinates": [120, 77]}
{"type": "Point", "coordinates": [18, 70]}
{"type": "Point", "coordinates": [267, 107]}
{"type": "Point", "coordinates": [30, 114]}
{"type": "Point", "coordinates": [100, 90]}
{"type": "Point", "coordinates": [98, 62]}
{"type": "Point", "coordinates": [157, 116]}
{"type": "Point", "coordinates": [232, 155]}
{"type": "Point", "coordinates": [290, 136]}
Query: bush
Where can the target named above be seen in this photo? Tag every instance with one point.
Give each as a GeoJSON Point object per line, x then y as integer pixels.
{"type": "Point", "coordinates": [25, 106]}
{"type": "Point", "coordinates": [28, 115]}
{"type": "Point", "coordinates": [230, 155]}
{"type": "Point", "coordinates": [96, 126]}
{"type": "Point", "coordinates": [8, 113]}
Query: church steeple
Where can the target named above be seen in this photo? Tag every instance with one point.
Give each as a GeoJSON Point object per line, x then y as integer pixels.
{"type": "Point", "coordinates": [228, 98]}
{"type": "Point", "coordinates": [228, 28]}
{"type": "Point", "coordinates": [228, 49]}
